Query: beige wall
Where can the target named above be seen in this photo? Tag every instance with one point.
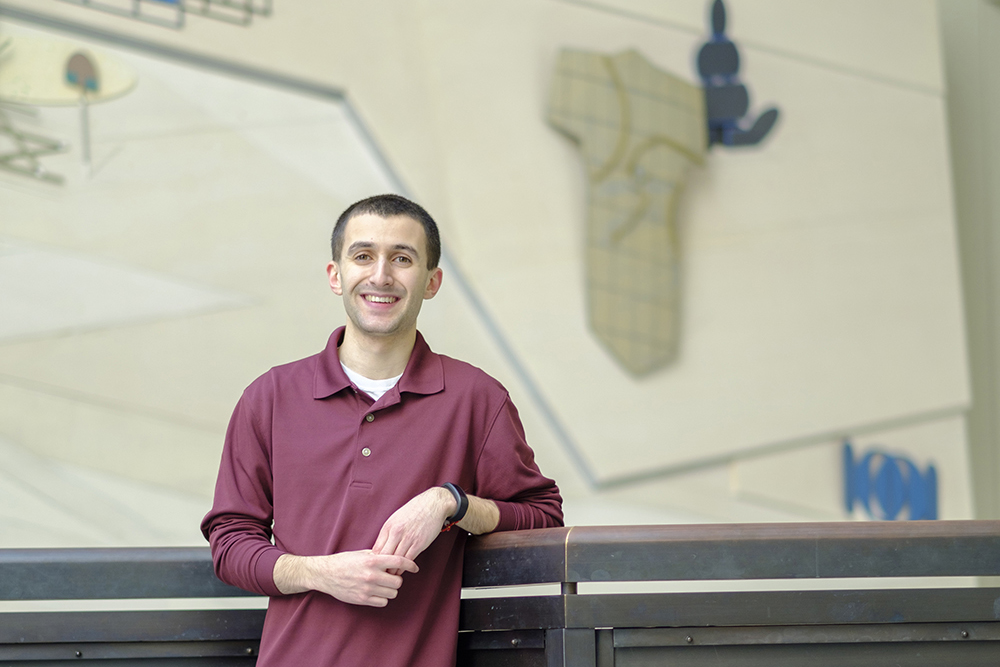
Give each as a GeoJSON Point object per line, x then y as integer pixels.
{"type": "Point", "coordinates": [971, 38]}
{"type": "Point", "coordinates": [820, 270]}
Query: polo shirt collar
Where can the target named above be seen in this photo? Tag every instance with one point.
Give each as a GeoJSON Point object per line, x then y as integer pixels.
{"type": "Point", "coordinates": [424, 373]}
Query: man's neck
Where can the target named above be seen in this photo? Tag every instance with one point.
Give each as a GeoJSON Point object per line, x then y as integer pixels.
{"type": "Point", "coordinates": [376, 357]}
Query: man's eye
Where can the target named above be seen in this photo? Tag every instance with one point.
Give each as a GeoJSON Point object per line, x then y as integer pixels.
{"type": "Point", "coordinates": [362, 257]}
{"type": "Point", "coordinates": [403, 260]}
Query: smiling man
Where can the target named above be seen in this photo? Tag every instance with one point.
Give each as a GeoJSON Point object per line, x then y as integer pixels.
{"type": "Point", "coordinates": [343, 473]}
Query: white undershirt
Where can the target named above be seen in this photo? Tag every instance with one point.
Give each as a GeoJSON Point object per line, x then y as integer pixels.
{"type": "Point", "coordinates": [374, 388]}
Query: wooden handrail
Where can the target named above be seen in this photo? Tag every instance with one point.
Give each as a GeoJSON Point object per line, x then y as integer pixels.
{"type": "Point", "coordinates": [110, 573]}
{"type": "Point", "coordinates": [735, 551]}
{"type": "Point", "coordinates": [564, 555]}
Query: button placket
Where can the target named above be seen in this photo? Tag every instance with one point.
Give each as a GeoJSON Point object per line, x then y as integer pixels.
{"type": "Point", "coordinates": [366, 451]}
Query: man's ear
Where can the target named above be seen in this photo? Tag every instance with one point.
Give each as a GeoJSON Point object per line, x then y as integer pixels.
{"type": "Point", "coordinates": [433, 284]}
{"type": "Point", "coordinates": [333, 272]}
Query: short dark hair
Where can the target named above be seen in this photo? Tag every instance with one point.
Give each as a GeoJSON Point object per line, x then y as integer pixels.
{"type": "Point", "coordinates": [387, 206]}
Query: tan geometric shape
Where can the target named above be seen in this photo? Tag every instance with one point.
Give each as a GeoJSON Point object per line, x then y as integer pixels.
{"type": "Point", "coordinates": [638, 129]}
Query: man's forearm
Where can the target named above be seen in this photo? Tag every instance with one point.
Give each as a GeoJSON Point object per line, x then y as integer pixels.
{"type": "Point", "coordinates": [482, 516]}
{"type": "Point", "coordinates": [355, 577]}
{"type": "Point", "coordinates": [291, 574]}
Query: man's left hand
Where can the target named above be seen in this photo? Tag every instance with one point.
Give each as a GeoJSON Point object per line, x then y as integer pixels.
{"type": "Point", "coordinates": [413, 527]}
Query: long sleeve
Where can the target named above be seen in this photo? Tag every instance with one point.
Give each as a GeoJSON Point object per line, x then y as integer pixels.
{"type": "Point", "coordinates": [507, 474]}
{"type": "Point", "coordinates": [318, 468]}
{"type": "Point", "coordinates": [238, 527]}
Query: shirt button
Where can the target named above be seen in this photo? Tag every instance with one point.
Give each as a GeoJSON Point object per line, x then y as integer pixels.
{"type": "Point", "coordinates": [370, 418]}
{"type": "Point", "coordinates": [366, 452]}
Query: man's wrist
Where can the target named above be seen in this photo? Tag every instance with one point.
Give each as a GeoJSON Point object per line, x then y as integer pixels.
{"type": "Point", "coordinates": [448, 502]}
{"type": "Point", "coordinates": [461, 503]}
{"type": "Point", "coordinates": [292, 574]}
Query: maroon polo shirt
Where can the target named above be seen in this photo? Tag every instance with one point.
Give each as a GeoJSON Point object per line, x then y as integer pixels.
{"type": "Point", "coordinates": [314, 460]}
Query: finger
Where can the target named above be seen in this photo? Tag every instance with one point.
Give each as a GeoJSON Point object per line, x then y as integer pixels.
{"type": "Point", "coordinates": [411, 545]}
{"type": "Point", "coordinates": [382, 592]}
{"type": "Point", "coordinates": [401, 549]}
{"type": "Point", "coordinates": [391, 542]}
{"type": "Point", "coordinates": [383, 537]}
{"type": "Point", "coordinates": [388, 581]}
{"type": "Point", "coordinates": [399, 563]}
{"type": "Point", "coordinates": [412, 552]}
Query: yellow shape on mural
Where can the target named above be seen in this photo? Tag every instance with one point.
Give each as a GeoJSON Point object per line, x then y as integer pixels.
{"type": "Point", "coordinates": [638, 129]}
{"type": "Point", "coordinates": [33, 72]}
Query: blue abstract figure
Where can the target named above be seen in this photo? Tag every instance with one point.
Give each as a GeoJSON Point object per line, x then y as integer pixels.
{"type": "Point", "coordinates": [726, 99]}
{"type": "Point", "coordinates": [81, 73]}
{"type": "Point", "coordinates": [894, 482]}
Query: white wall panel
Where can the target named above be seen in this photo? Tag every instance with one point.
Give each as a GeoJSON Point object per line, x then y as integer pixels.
{"type": "Point", "coordinates": [820, 290]}
{"type": "Point", "coordinates": [821, 283]}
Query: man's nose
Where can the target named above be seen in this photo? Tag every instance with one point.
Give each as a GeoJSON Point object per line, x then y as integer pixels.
{"type": "Point", "coordinates": [381, 274]}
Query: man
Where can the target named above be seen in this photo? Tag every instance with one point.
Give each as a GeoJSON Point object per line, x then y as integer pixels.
{"type": "Point", "coordinates": [358, 460]}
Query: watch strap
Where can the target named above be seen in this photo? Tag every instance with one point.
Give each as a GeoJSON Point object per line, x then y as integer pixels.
{"type": "Point", "coordinates": [462, 502]}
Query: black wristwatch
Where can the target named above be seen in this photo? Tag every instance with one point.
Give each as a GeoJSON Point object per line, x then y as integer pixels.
{"type": "Point", "coordinates": [463, 505]}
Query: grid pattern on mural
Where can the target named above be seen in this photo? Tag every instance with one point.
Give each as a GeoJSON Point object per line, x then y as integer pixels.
{"type": "Point", "coordinates": [173, 13]}
{"type": "Point", "coordinates": [639, 129]}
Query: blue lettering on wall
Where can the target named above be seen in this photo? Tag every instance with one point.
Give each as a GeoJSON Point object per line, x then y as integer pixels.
{"type": "Point", "coordinates": [885, 484]}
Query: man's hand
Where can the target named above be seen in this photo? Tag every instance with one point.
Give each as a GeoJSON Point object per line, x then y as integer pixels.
{"type": "Point", "coordinates": [413, 527]}
{"type": "Point", "coordinates": [355, 577]}
{"type": "Point", "coordinates": [373, 577]}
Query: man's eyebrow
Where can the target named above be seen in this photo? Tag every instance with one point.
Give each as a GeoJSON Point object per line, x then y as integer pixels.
{"type": "Point", "coordinates": [358, 245]}
{"type": "Point", "coordinates": [406, 248]}
{"type": "Point", "coordinates": [368, 245]}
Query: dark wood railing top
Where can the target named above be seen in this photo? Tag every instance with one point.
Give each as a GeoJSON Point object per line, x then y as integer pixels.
{"type": "Point", "coordinates": [576, 554]}
{"type": "Point", "coordinates": [110, 574]}
{"type": "Point", "coordinates": [735, 551]}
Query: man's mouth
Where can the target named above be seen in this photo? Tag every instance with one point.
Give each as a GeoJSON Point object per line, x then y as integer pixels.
{"type": "Point", "coordinates": [375, 298]}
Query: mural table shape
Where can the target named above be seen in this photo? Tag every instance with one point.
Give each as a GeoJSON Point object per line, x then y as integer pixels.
{"type": "Point", "coordinates": [20, 151]}
{"type": "Point", "coordinates": [42, 72]}
{"type": "Point", "coordinates": [639, 130]}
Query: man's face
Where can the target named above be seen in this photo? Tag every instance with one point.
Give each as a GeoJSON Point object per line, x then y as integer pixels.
{"type": "Point", "coordinates": [382, 274]}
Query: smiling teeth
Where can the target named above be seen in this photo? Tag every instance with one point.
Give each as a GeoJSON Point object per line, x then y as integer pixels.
{"type": "Point", "coordinates": [381, 299]}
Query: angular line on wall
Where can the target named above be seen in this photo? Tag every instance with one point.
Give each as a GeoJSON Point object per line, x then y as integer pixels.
{"type": "Point", "coordinates": [762, 48]}
{"type": "Point", "coordinates": [566, 441]}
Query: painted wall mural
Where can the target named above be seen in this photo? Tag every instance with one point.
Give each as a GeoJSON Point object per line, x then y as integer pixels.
{"type": "Point", "coordinates": [888, 486]}
{"type": "Point", "coordinates": [40, 72]}
{"type": "Point", "coordinates": [20, 151]}
{"type": "Point", "coordinates": [173, 13]}
{"type": "Point", "coordinates": [639, 130]}
{"type": "Point", "coordinates": [726, 98]}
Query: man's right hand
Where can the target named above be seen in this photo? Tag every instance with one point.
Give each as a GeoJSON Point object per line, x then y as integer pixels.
{"type": "Point", "coordinates": [355, 577]}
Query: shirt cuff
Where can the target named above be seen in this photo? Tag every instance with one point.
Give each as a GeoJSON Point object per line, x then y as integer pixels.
{"type": "Point", "coordinates": [510, 516]}
{"type": "Point", "coordinates": [263, 571]}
